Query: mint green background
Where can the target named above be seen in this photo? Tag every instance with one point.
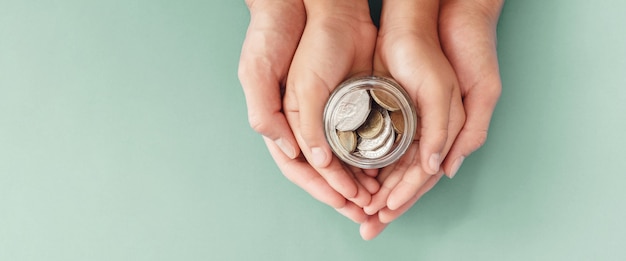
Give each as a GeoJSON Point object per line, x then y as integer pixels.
{"type": "Point", "coordinates": [123, 136]}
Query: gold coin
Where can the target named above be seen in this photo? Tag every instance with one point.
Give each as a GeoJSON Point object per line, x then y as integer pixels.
{"type": "Point", "coordinates": [397, 121]}
{"type": "Point", "coordinates": [372, 126]}
{"type": "Point", "coordinates": [347, 139]}
{"type": "Point", "coordinates": [379, 140]}
{"type": "Point", "coordinates": [385, 100]}
{"type": "Point", "coordinates": [398, 137]}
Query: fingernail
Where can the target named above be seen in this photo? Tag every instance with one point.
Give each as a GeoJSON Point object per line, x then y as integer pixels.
{"type": "Point", "coordinates": [318, 157]}
{"type": "Point", "coordinates": [369, 210]}
{"type": "Point", "coordinates": [286, 147]}
{"type": "Point", "coordinates": [456, 165]}
{"type": "Point", "coordinates": [434, 161]}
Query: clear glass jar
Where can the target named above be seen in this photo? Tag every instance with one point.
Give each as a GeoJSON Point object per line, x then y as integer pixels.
{"type": "Point", "coordinates": [357, 119]}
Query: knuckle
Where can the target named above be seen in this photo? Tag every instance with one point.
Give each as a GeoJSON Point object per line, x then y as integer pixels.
{"type": "Point", "coordinates": [250, 3]}
{"type": "Point", "coordinates": [493, 90]}
{"type": "Point", "coordinates": [242, 71]}
{"type": "Point", "coordinates": [258, 123]}
{"type": "Point", "coordinates": [488, 89]}
{"type": "Point", "coordinates": [253, 71]}
{"type": "Point", "coordinates": [441, 136]}
{"type": "Point", "coordinates": [246, 70]}
{"type": "Point", "coordinates": [435, 136]}
{"type": "Point", "coordinates": [478, 139]}
{"type": "Point", "coordinates": [308, 131]}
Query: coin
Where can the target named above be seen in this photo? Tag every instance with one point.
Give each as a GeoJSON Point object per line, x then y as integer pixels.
{"type": "Point", "coordinates": [347, 139]}
{"type": "Point", "coordinates": [397, 121]}
{"type": "Point", "coordinates": [352, 110]}
{"type": "Point", "coordinates": [385, 100]}
{"type": "Point", "coordinates": [377, 153]}
{"type": "Point", "coordinates": [379, 140]}
{"type": "Point", "coordinates": [372, 126]}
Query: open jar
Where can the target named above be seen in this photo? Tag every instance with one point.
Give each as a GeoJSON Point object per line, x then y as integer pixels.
{"type": "Point", "coordinates": [369, 121]}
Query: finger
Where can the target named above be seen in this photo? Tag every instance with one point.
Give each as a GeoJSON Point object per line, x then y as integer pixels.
{"type": "Point", "coordinates": [371, 172]}
{"type": "Point", "coordinates": [390, 177]}
{"type": "Point", "coordinates": [303, 175]}
{"type": "Point", "coordinates": [363, 196]}
{"type": "Point", "coordinates": [353, 212]}
{"type": "Point", "coordinates": [415, 177]}
{"type": "Point", "coordinates": [379, 200]}
{"type": "Point", "coordinates": [265, 110]}
{"type": "Point", "coordinates": [387, 215]}
{"type": "Point", "coordinates": [434, 113]}
{"type": "Point", "coordinates": [371, 228]}
{"type": "Point", "coordinates": [411, 182]}
{"type": "Point", "coordinates": [334, 174]}
{"type": "Point", "coordinates": [474, 132]}
{"type": "Point", "coordinates": [312, 94]}
{"type": "Point", "coordinates": [270, 44]}
{"type": "Point", "coordinates": [370, 183]}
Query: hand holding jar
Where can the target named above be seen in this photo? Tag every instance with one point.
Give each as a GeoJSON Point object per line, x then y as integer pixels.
{"type": "Point", "coordinates": [297, 52]}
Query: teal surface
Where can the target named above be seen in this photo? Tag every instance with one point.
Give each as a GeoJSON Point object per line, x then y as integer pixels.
{"type": "Point", "coordinates": [123, 136]}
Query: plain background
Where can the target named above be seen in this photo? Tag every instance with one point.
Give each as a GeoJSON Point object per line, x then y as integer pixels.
{"type": "Point", "coordinates": [124, 136]}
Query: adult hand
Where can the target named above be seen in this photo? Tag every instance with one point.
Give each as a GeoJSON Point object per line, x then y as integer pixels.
{"type": "Point", "coordinates": [336, 34]}
{"type": "Point", "coordinates": [467, 30]}
{"type": "Point", "coordinates": [271, 41]}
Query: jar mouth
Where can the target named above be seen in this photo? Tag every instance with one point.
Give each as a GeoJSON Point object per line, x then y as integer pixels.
{"type": "Point", "coordinates": [369, 121]}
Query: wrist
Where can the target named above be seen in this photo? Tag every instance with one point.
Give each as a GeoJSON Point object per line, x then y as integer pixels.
{"type": "Point", "coordinates": [418, 18]}
{"type": "Point", "coordinates": [356, 11]}
{"type": "Point", "coordinates": [485, 10]}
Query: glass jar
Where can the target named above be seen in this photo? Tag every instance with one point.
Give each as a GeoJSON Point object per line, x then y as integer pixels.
{"type": "Point", "coordinates": [369, 121]}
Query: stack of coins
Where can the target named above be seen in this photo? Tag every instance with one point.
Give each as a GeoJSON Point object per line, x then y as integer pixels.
{"type": "Point", "coordinates": [368, 123]}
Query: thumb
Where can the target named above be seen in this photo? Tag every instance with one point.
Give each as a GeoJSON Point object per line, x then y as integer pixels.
{"type": "Point", "coordinates": [263, 67]}
{"type": "Point", "coordinates": [325, 56]}
{"type": "Point", "coordinates": [311, 93]}
{"type": "Point", "coordinates": [468, 37]}
{"type": "Point", "coordinates": [479, 107]}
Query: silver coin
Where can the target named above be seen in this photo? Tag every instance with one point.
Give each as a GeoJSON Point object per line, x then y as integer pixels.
{"type": "Point", "coordinates": [352, 110]}
{"type": "Point", "coordinates": [377, 153]}
{"type": "Point", "coordinates": [379, 140]}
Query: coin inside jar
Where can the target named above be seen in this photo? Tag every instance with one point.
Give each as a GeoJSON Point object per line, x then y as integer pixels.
{"type": "Point", "coordinates": [352, 110]}
{"type": "Point", "coordinates": [347, 140]}
{"type": "Point", "coordinates": [366, 144]}
{"type": "Point", "coordinates": [382, 150]}
{"type": "Point", "coordinates": [372, 126]}
{"type": "Point", "coordinates": [369, 122]}
{"type": "Point", "coordinates": [375, 136]}
{"type": "Point", "coordinates": [385, 100]}
{"type": "Point", "coordinates": [397, 120]}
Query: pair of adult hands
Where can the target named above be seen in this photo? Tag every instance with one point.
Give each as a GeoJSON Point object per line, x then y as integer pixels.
{"type": "Point", "coordinates": [442, 52]}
